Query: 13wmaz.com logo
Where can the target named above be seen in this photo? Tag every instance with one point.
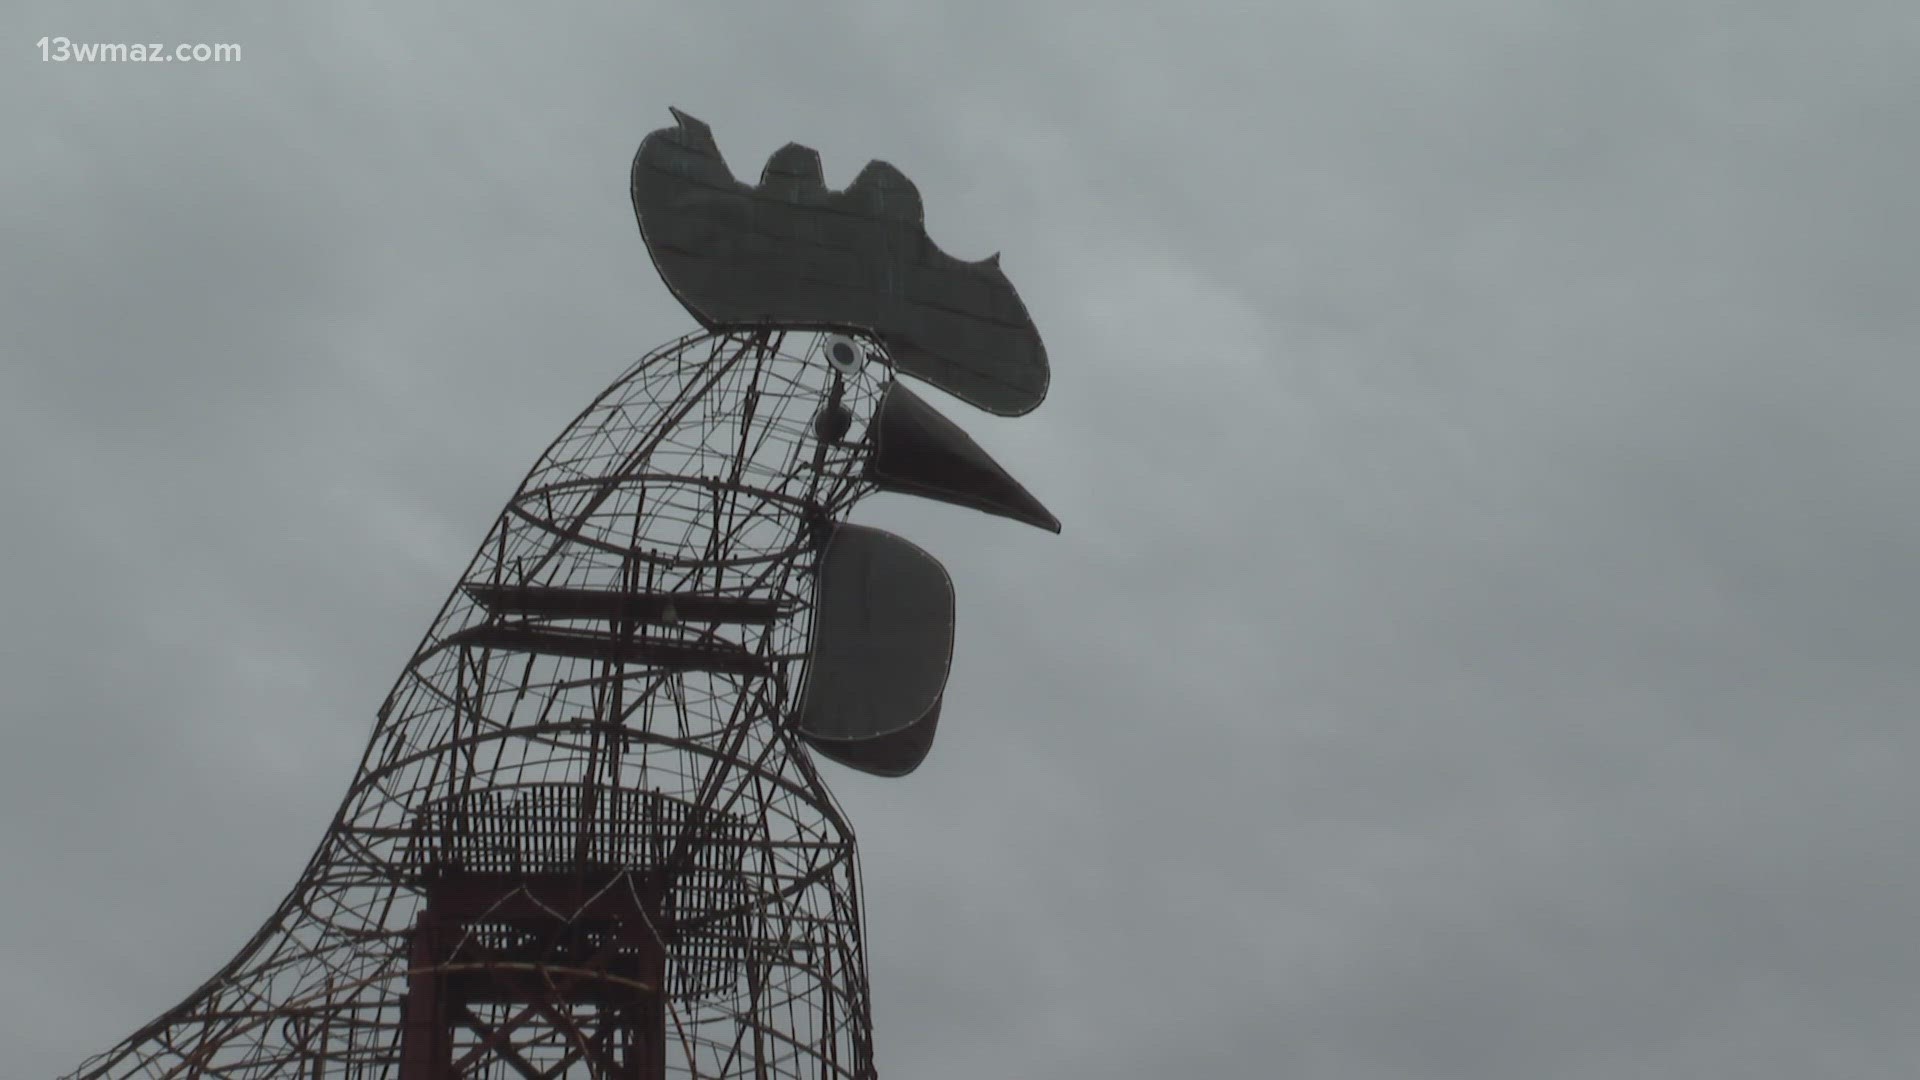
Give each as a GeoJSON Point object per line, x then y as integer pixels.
{"type": "Point", "coordinates": [61, 49]}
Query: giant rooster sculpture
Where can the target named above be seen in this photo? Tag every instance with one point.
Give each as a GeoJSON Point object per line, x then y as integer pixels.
{"type": "Point", "coordinates": [588, 836]}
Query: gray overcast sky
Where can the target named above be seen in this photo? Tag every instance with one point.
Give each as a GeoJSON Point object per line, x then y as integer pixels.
{"type": "Point", "coordinates": [1484, 639]}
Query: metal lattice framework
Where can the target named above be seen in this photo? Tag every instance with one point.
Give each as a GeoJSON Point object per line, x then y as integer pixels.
{"type": "Point", "coordinates": [564, 743]}
{"type": "Point", "coordinates": [588, 838]}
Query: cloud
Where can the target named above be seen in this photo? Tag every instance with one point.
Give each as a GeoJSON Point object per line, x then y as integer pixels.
{"type": "Point", "coordinates": [1481, 643]}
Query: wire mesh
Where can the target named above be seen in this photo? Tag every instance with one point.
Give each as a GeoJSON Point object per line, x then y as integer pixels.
{"type": "Point", "coordinates": [601, 702]}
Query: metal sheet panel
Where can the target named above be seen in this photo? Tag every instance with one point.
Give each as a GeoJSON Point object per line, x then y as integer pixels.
{"type": "Point", "coordinates": [791, 253]}
{"type": "Point", "coordinates": [918, 451]}
{"type": "Point", "coordinates": [889, 755]}
{"type": "Point", "coordinates": [883, 641]}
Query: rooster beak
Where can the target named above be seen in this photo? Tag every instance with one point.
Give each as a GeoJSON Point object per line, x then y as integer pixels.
{"type": "Point", "coordinates": [917, 451]}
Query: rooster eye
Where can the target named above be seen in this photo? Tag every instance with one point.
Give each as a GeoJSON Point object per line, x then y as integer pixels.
{"type": "Point", "coordinates": [844, 354]}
